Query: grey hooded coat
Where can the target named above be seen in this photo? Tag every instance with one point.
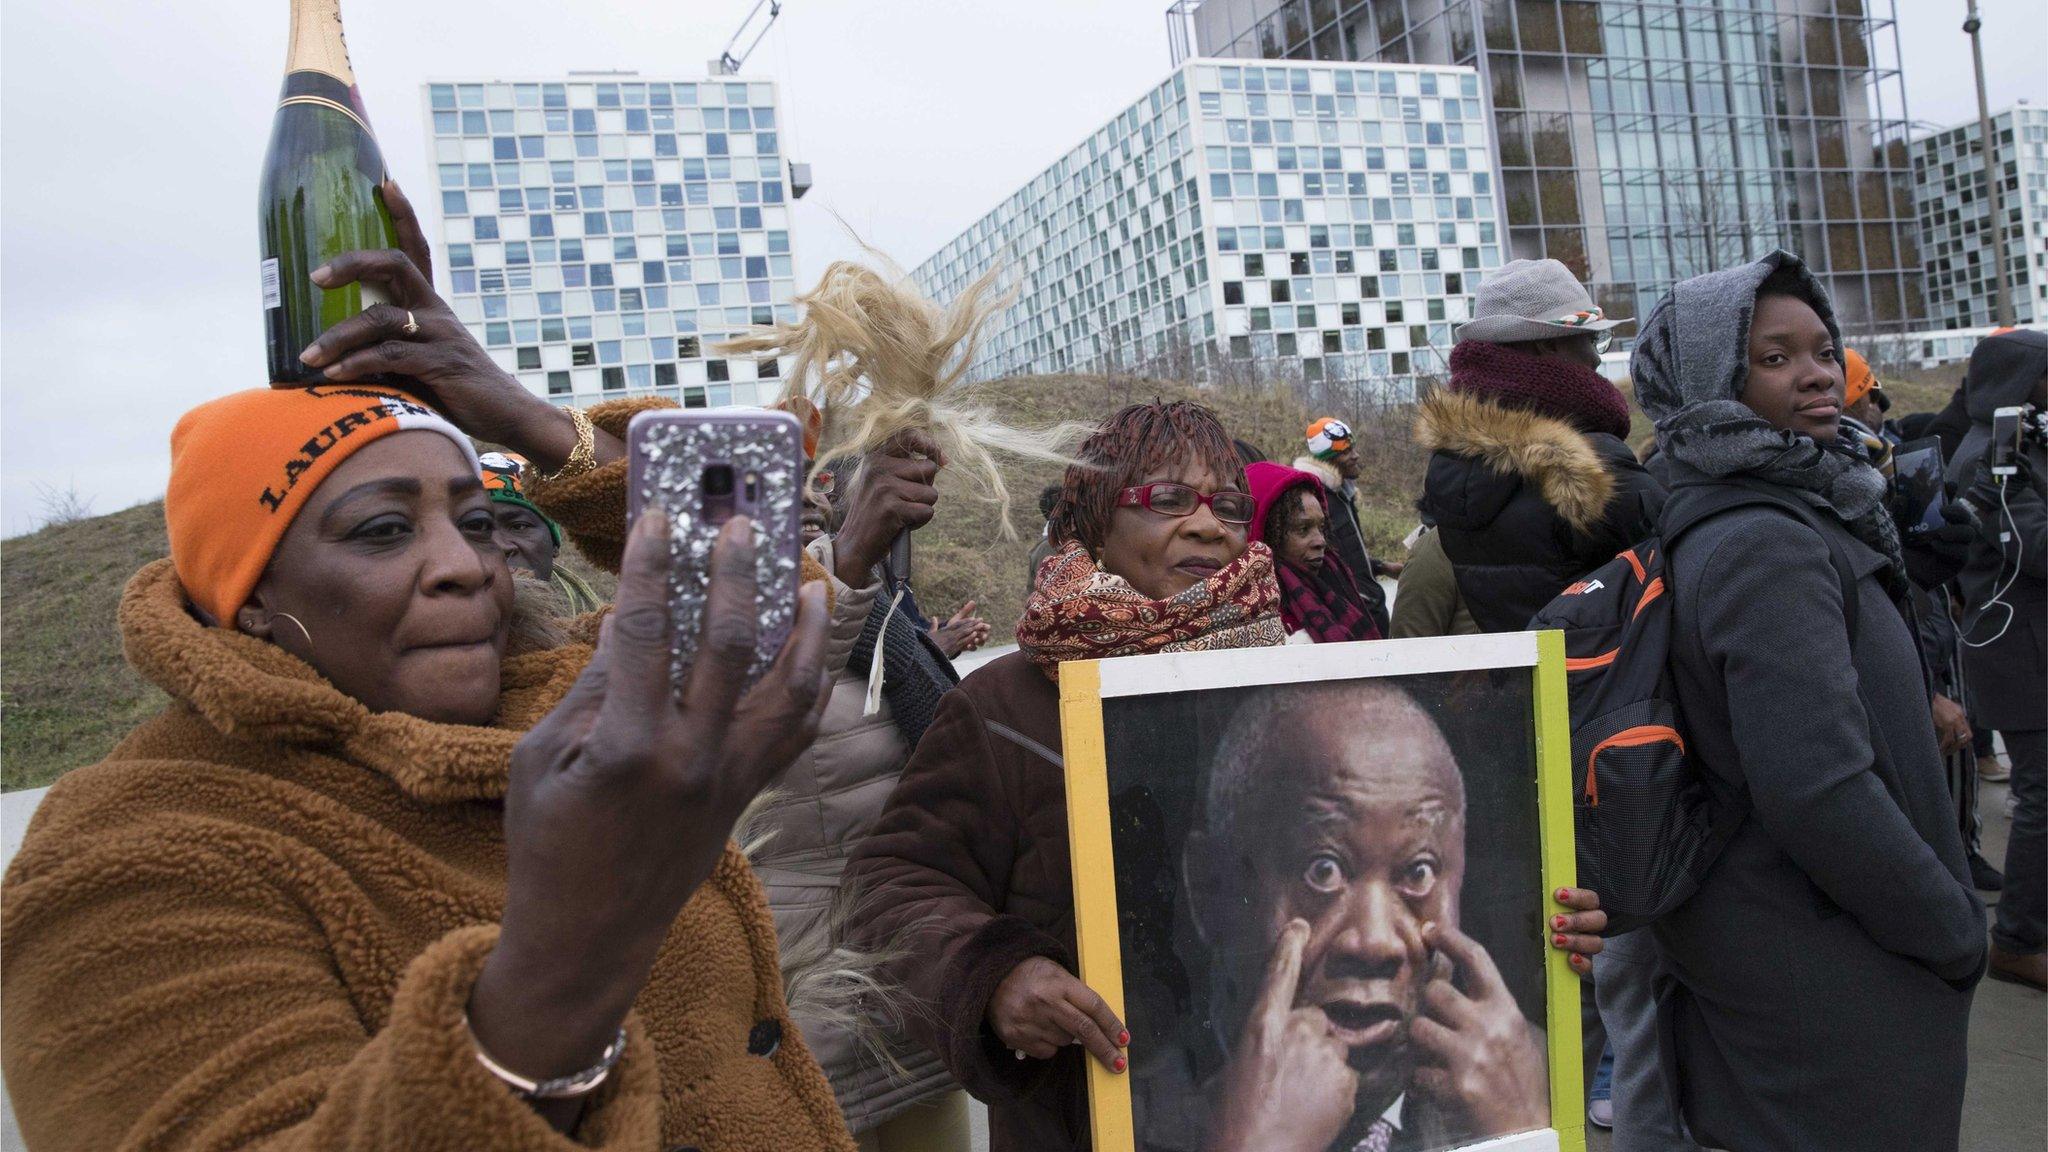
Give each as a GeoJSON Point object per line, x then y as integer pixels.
{"type": "Point", "coordinates": [1819, 982]}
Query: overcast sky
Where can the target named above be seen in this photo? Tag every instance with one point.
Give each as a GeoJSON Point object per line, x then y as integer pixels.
{"type": "Point", "coordinates": [131, 135]}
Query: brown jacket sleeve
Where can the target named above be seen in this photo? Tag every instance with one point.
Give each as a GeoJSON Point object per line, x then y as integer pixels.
{"type": "Point", "coordinates": [168, 991]}
{"type": "Point", "coordinates": [933, 882]}
{"type": "Point", "coordinates": [591, 508]}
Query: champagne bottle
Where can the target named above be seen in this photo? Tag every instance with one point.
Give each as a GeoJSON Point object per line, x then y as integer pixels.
{"type": "Point", "coordinates": [320, 195]}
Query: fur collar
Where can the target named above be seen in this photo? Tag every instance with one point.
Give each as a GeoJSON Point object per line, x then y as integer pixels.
{"type": "Point", "coordinates": [1551, 455]}
{"type": "Point", "coordinates": [1320, 469]}
{"type": "Point", "coordinates": [252, 690]}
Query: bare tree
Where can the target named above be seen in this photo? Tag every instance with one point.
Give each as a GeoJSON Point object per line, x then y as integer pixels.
{"type": "Point", "coordinates": [61, 506]}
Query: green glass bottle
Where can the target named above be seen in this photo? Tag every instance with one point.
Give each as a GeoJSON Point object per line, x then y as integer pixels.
{"type": "Point", "coordinates": [320, 192]}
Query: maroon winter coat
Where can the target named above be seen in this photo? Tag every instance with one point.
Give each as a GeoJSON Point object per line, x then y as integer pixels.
{"type": "Point", "coordinates": [967, 872]}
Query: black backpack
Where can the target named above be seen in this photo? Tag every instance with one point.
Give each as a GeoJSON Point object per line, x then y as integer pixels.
{"type": "Point", "coordinates": [1648, 828]}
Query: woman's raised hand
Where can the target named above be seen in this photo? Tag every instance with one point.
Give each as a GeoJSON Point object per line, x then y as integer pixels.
{"type": "Point", "coordinates": [622, 799]}
{"type": "Point", "coordinates": [440, 357]}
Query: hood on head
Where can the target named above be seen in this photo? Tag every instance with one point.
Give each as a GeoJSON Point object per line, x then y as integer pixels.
{"type": "Point", "coordinates": [1693, 347]}
{"type": "Point", "coordinates": [2004, 370]}
{"type": "Point", "coordinates": [1511, 447]}
{"type": "Point", "coordinates": [1268, 483]}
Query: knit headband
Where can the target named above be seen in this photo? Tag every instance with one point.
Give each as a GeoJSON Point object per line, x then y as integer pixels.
{"type": "Point", "coordinates": [243, 466]}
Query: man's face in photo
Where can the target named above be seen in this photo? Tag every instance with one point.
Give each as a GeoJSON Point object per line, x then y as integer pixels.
{"type": "Point", "coordinates": [1356, 826]}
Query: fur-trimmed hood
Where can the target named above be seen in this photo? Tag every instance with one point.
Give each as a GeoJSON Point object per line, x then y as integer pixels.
{"type": "Point", "coordinates": [1320, 469]}
{"type": "Point", "coordinates": [1559, 462]}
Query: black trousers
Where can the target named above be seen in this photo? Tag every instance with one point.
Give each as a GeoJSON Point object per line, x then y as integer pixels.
{"type": "Point", "coordinates": [2022, 924]}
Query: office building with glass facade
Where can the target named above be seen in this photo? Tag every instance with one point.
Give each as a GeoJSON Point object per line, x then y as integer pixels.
{"type": "Point", "coordinates": [1333, 216]}
{"type": "Point", "coordinates": [1955, 219]}
{"type": "Point", "coordinates": [1645, 141]}
{"type": "Point", "coordinates": [602, 231]}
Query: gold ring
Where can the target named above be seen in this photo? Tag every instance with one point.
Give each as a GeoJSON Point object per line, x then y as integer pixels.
{"type": "Point", "coordinates": [412, 326]}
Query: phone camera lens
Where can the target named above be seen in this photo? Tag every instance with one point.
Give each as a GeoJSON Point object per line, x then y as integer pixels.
{"type": "Point", "coordinates": [718, 480]}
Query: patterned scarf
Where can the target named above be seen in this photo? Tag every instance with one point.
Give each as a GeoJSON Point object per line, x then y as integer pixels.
{"type": "Point", "coordinates": [1324, 603]}
{"type": "Point", "coordinates": [1080, 612]}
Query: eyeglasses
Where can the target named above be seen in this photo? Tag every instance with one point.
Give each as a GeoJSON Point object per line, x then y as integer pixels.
{"type": "Point", "coordinates": [1180, 500]}
{"type": "Point", "coordinates": [1602, 341]}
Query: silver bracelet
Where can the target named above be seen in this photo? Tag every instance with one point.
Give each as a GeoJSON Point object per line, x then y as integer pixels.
{"type": "Point", "coordinates": [561, 1087]}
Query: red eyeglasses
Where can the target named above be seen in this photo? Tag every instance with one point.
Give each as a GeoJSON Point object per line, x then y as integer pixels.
{"type": "Point", "coordinates": [1179, 500]}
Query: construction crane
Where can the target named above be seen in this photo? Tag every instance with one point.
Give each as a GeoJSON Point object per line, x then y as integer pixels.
{"type": "Point", "coordinates": [729, 64]}
{"type": "Point", "coordinates": [734, 57]}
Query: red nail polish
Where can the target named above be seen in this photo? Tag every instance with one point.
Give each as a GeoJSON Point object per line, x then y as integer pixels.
{"type": "Point", "coordinates": [1557, 922]}
{"type": "Point", "coordinates": [1119, 1065]}
{"type": "Point", "coordinates": [1123, 1039]}
{"type": "Point", "coordinates": [1563, 894]}
{"type": "Point", "coordinates": [1557, 940]}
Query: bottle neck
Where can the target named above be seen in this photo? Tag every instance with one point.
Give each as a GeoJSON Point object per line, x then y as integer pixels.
{"type": "Point", "coordinates": [317, 44]}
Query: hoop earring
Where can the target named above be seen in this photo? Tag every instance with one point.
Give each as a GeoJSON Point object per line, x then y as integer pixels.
{"type": "Point", "coordinates": [301, 625]}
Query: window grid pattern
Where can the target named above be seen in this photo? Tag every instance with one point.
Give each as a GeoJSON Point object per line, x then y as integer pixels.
{"type": "Point", "coordinates": [1645, 141]}
{"type": "Point", "coordinates": [1334, 216]}
{"type": "Point", "coordinates": [1955, 219]}
{"type": "Point", "coordinates": [599, 236]}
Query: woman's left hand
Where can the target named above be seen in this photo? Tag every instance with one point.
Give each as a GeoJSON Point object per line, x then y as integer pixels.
{"type": "Point", "coordinates": [1575, 932]}
{"type": "Point", "coordinates": [453, 372]}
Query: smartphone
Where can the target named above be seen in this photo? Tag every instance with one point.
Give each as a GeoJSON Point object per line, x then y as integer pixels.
{"type": "Point", "coordinates": [1917, 485]}
{"type": "Point", "coordinates": [702, 469]}
{"type": "Point", "coordinates": [2007, 425]}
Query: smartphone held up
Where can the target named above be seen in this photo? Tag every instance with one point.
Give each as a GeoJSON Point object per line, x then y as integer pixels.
{"type": "Point", "coordinates": [701, 469]}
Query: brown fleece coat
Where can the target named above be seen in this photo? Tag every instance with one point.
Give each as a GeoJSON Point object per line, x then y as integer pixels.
{"type": "Point", "coordinates": [965, 876]}
{"type": "Point", "coordinates": [257, 922]}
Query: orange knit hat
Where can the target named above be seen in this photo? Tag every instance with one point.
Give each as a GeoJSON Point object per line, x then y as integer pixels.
{"type": "Point", "coordinates": [244, 465]}
{"type": "Point", "coordinates": [1861, 379]}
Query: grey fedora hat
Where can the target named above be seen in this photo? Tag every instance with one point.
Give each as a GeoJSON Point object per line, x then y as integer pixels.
{"type": "Point", "coordinates": [1532, 300]}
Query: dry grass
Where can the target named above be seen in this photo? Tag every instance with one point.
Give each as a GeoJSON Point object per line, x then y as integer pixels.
{"type": "Point", "coordinates": [66, 695]}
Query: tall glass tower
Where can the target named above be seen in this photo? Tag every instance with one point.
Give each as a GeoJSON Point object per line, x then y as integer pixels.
{"type": "Point", "coordinates": [1645, 141]}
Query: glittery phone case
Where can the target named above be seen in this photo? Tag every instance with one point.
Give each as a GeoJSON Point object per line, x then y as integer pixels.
{"type": "Point", "coordinates": [676, 460]}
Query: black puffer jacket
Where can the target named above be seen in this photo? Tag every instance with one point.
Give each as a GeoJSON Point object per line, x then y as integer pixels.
{"type": "Point", "coordinates": [1525, 503]}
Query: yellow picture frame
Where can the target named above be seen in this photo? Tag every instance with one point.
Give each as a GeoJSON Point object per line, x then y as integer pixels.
{"type": "Point", "coordinates": [1085, 685]}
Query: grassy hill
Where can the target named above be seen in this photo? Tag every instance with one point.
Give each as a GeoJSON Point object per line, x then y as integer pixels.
{"type": "Point", "coordinates": [66, 695]}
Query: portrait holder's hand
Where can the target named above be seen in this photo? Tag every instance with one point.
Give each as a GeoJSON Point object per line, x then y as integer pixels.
{"type": "Point", "coordinates": [1041, 1007]}
{"type": "Point", "coordinates": [1289, 1086]}
{"type": "Point", "coordinates": [1477, 1056]}
{"type": "Point", "coordinates": [1576, 933]}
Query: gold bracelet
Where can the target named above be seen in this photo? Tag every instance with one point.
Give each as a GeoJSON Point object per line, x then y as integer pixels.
{"type": "Point", "coordinates": [584, 457]}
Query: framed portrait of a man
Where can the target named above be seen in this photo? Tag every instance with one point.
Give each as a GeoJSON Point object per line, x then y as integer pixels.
{"type": "Point", "coordinates": [1313, 882]}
